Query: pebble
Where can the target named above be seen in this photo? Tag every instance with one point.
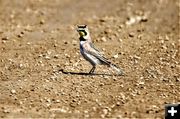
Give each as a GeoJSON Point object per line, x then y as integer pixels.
{"type": "Point", "coordinates": [67, 56]}
{"type": "Point", "coordinates": [65, 42]}
{"type": "Point", "coordinates": [28, 28]}
{"type": "Point", "coordinates": [136, 19]}
{"type": "Point", "coordinates": [6, 111]}
{"type": "Point", "coordinates": [94, 108]}
{"type": "Point", "coordinates": [177, 79]}
{"type": "Point", "coordinates": [20, 35]}
{"type": "Point", "coordinates": [103, 39]}
{"type": "Point", "coordinates": [120, 40]}
{"type": "Point", "coordinates": [102, 116]}
{"type": "Point", "coordinates": [5, 38]}
{"type": "Point", "coordinates": [57, 101]}
{"type": "Point", "coordinates": [21, 66]}
{"type": "Point", "coordinates": [105, 111]}
{"type": "Point", "coordinates": [115, 56]}
{"type": "Point", "coordinates": [86, 115]}
{"type": "Point", "coordinates": [56, 56]}
{"type": "Point", "coordinates": [131, 21]}
{"type": "Point", "coordinates": [166, 38]}
{"type": "Point", "coordinates": [118, 104]}
{"type": "Point", "coordinates": [131, 34]}
{"type": "Point", "coordinates": [42, 21]}
{"type": "Point", "coordinates": [13, 91]}
{"type": "Point", "coordinates": [47, 57]}
{"type": "Point", "coordinates": [137, 57]}
{"type": "Point", "coordinates": [63, 110]}
{"type": "Point", "coordinates": [102, 20]}
{"type": "Point", "coordinates": [48, 100]}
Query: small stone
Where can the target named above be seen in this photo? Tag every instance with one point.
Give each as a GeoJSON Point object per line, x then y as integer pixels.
{"type": "Point", "coordinates": [177, 79]}
{"type": "Point", "coordinates": [118, 104]}
{"type": "Point", "coordinates": [47, 57]}
{"type": "Point", "coordinates": [20, 35]}
{"type": "Point", "coordinates": [63, 110]}
{"type": "Point", "coordinates": [166, 38]}
{"type": "Point", "coordinates": [108, 31]}
{"type": "Point", "coordinates": [28, 28]}
{"type": "Point", "coordinates": [144, 19]}
{"type": "Point", "coordinates": [137, 57]}
{"type": "Point", "coordinates": [121, 26]}
{"type": "Point", "coordinates": [74, 42]}
{"type": "Point", "coordinates": [102, 116]}
{"type": "Point", "coordinates": [94, 108]}
{"type": "Point", "coordinates": [115, 56]}
{"type": "Point", "coordinates": [56, 56]}
{"type": "Point", "coordinates": [42, 21]}
{"type": "Point", "coordinates": [6, 111]}
{"type": "Point", "coordinates": [131, 21]}
{"type": "Point", "coordinates": [119, 116]}
{"type": "Point", "coordinates": [103, 39]}
{"type": "Point", "coordinates": [120, 40]}
{"type": "Point", "coordinates": [5, 38]}
{"type": "Point", "coordinates": [67, 56]}
{"type": "Point", "coordinates": [102, 20]}
{"type": "Point", "coordinates": [28, 43]}
{"type": "Point", "coordinates": [86, 115]}
{"type": "Point", "coordinates": [13, 91]}
{"type": "Point", "coordinates": [105, 111]}
{"type": "Point", "coordinates": [48, 100]}
{"type": "Point", "coordinates": [85, 111]}
{"type": "Point", "coordinates": [131, 34]}
{"type": "Point", "coordinates": [65, 42]}
{"type": "Point", "coordinates": [21, 66]}
{"type": "Point", "coordinates": [48, 105]}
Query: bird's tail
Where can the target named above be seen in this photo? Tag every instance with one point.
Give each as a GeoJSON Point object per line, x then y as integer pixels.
{"type": "Point", "coordinates": [119, 70]}
{"type": "Point", "coordinates": [113, 66]}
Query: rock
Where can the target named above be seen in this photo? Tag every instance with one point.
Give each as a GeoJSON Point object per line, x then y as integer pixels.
{"type": "Point", "coordinates": [6, 111]}
{"type": "Point", "coordinates": [13, 91]}
{"type": "Point", "coordinates": [115, 56]}
{"type": "Point", "coordinates": [48, 100]}
{"type": "Point", "coordinates": [105, 111]}
{"type": "Point", "coordinates": [5, 38]}
{"type": "Point", "coordinates": [28, 28]}
{"type": "Point", "coordinates": [103, 39]}
{"type": "Point", "coordinates": [20, 35]}
{"type": "Point", "coordinates": [102, 20]}
{"type": "Point", "coordinates": [131, 34]}
{"type": "Point", "coordinates": [56, 56]}
{"type": "Point", "coordinates": [118, 104]}
{"type": "Point", "coordinates": [131, 21]}
{"type": "Point", "coordinates": [42, 21]}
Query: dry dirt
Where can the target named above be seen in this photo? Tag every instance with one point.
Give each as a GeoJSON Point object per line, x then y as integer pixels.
{"type": "Point", "coordinates": [42, 73]}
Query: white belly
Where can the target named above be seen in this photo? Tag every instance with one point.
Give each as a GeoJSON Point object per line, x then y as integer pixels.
{"type": "Point", "coordinates": [93, 60]}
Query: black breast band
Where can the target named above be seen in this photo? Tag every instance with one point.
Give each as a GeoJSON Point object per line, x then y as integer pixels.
{"type": "Point", "coordinates": [82, 39]}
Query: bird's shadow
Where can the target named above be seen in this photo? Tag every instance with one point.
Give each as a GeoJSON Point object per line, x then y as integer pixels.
{"type": "Point", "coordinates": [87, 74]}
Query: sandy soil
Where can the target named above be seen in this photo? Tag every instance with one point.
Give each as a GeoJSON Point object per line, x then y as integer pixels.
{"type": "Point", "coordinates": [42, 73]}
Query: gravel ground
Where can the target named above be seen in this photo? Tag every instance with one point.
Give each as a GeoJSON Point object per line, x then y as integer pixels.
{"type": "Point", "coordinates": [42, 73]}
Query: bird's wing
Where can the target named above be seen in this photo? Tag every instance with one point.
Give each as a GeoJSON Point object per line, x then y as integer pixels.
{"type": "Point", "coordinates": [93, 51]}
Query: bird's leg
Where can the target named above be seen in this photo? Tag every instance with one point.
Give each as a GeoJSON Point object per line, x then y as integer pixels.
{"type": "Point", "coordinates": [92, 70]}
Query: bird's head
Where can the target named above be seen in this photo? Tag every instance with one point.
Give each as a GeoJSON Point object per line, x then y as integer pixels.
{"type": "Point", "coordinates": [83, 31]}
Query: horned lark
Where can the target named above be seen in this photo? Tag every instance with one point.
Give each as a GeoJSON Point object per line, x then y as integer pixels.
{"type": "Point", "coordinates": [90, 53]}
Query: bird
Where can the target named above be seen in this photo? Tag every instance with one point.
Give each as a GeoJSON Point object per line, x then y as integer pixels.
{"type": "Point", "coordinates": [90, 53]}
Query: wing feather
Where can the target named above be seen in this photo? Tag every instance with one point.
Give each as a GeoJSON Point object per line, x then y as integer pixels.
{"type": "Point", "coordinates": [95, 52]}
